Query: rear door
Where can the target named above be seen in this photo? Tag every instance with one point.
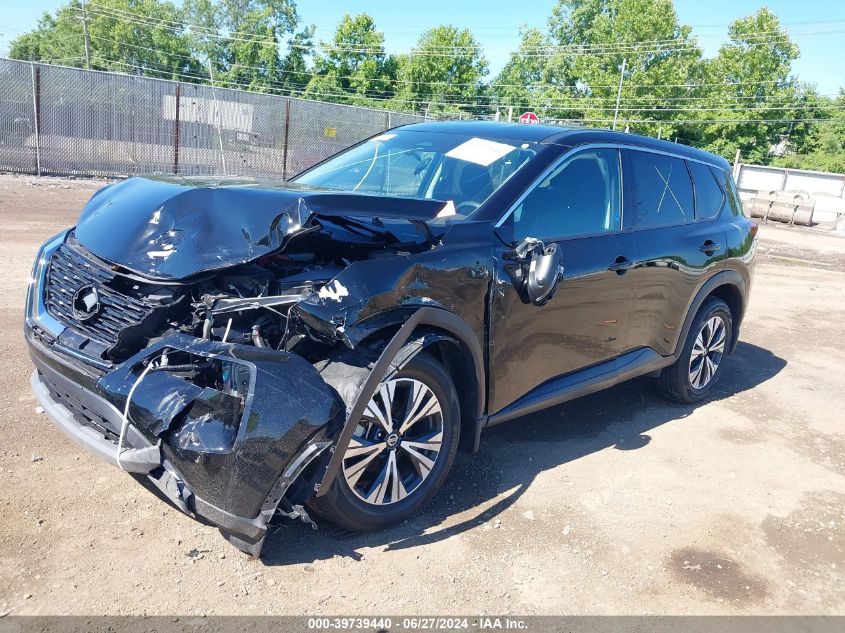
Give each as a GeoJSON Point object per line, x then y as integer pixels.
{"type": "Point", "coordinates": [671, 205]}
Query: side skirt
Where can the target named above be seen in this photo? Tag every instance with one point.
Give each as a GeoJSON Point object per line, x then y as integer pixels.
{"type": "Point", "coordinates": [583, 382]}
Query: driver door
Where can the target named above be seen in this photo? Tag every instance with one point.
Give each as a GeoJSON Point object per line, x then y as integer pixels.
{"type": "Point", "coordinates": [576, 205]}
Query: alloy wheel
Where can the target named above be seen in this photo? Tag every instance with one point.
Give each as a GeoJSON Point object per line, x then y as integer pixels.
{"type": "Point", "coordinates": [396, 443]}
{"type": "Point", "coordinates": [707, 352]}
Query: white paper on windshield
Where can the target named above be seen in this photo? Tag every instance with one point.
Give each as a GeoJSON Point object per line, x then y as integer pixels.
{"type": "Point", "coordinates": [480, 151]}
{"type": "Point", "coordinates": [383, 137]}
{"type": "Point", "coordinates": [448, 210]}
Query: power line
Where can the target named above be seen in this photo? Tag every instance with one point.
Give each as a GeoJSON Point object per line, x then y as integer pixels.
{"type": "Point", "coordinates": [491, 84]}
{"type": "Point", "coordinates": [586, 107]}
{"type": "Point", "coordinates": [582, 104]}
{"type": "Point", "coordinates": [672, 45]}
{"type": "Point", "coordinates": [712, 121]}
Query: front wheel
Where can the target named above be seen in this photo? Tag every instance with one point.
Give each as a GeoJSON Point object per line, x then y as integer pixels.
{"type": "Point", "coordinates": [400, 452]}
{"type": "Point", "coordinates": [699, 366]}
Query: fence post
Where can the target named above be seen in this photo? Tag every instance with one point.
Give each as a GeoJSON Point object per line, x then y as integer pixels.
{"type": "Point", "coordinates": [287, 141]}
{"type": "Point", "coordinates": [388, 120]}
{"type": "Point", "coordinates": [176, 132]}
{"type": "Point", "coordinates": [36, 107]}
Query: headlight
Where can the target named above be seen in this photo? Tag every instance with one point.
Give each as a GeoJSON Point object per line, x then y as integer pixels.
{"type": "Point", "coordinates": [35, 309]}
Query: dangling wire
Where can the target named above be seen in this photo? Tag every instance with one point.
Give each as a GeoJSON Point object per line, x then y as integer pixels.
{"type": "Point", "coordinates": [125, 421]}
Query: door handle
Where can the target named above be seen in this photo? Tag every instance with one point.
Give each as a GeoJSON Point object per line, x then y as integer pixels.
{"type": "Point", "coordinates": [710, 247]}
{"type": "Point", "coordinates": [621, 265]}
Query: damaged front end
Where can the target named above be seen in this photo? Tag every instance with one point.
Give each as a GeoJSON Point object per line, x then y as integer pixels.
{"type": "Point", "coordinates": [213, 425]}
{"type": "Point", "coordinates": [189, 335]}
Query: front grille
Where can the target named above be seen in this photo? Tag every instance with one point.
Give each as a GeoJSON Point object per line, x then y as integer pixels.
{"type": "Point", "coordinates": [69, 271]}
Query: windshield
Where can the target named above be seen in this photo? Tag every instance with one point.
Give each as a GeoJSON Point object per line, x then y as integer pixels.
{"type": "Point", "coordinates": [461, 170]}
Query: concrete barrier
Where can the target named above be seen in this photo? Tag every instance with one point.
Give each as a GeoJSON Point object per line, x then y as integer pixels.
{"type": "Point", "coordinates": [782, 206]}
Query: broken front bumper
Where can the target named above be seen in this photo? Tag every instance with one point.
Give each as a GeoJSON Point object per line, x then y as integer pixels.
{"type": "Point", "coordinates": [228, 460]}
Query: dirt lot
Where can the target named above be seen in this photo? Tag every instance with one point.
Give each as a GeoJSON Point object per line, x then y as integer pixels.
{"type": "Point", "coordinates": [617, 503]}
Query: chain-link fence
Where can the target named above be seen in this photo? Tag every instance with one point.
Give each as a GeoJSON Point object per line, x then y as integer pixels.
{"type": "Point", "coordinates": [57, 120]}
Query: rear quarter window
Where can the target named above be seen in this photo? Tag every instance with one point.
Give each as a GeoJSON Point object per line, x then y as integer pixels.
{"type": "Point", "coordinates": [709, 197]}
{"type": "Point", "coordinates": [658, 190]}
{"type": "Point", "coordinates": [731, 194]}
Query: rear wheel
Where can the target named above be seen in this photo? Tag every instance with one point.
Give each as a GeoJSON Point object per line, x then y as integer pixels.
{"type": "Point", "coordinates": [699, 366]}
{"type": "Point", "coordinates": [401, 450]}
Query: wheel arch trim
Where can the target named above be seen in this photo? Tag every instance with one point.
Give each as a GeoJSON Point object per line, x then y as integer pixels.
{"type": "Point", "coordinates": [729, 278]}
{"type": "Point", "coordinates": [386, 367]}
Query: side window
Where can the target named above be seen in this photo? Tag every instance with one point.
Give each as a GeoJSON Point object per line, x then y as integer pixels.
{"type": "Point", "coordinates": [731, 193]}
{"type": "Point", "coordinates": [580, 197]}
{"type": "Point", "coordinates": [658, 190]}
{"type": "Point", "coordinates": [708, 194]}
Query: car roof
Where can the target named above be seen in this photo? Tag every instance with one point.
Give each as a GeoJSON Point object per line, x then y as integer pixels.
{"type": "Point", "coordinates": [567, 136]}
{"type": "Point", "coordinates": [489, 129]}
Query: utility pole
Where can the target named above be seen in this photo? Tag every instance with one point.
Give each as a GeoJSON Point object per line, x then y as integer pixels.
{"type": "Point", "coordinates": [619, 92]}
{"type": "Point", "coordinates": [87, 37]}
{"type": "Point", "coordinates": [219, 118]}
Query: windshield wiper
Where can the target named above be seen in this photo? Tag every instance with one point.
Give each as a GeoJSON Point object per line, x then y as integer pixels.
{"type": "Point", "coordinates": [362, 228]}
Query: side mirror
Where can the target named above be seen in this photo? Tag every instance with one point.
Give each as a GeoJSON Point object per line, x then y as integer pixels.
{"type": "Point", "coordinates": [543, 273]}
{"type": "Point", "coordinates": [538, 271]}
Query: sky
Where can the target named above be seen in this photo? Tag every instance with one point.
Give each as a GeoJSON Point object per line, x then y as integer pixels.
{"type": "Point", "coordinates": [817, 26]}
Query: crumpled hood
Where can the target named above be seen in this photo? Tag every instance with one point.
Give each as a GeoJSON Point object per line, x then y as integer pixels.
{"type": "Point", "coordinates": [174, 228]}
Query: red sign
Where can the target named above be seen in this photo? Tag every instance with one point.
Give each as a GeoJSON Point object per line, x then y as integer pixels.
{"type": "Point", "coordinates": [529, 117]}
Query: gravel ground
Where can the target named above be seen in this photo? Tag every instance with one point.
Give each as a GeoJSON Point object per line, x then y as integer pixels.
{"type": "Point", "coordinates": [619, 503]}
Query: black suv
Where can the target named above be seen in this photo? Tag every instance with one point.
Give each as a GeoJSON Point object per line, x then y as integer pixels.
{"type": "Point", "coordinates": [326, 344]}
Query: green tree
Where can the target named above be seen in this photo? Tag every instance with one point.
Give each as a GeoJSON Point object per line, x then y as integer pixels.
{"type": "Point", "coordinates": [357, 62]}
{"type": "Point", "coordinates": [823, 148]}
{"type": "Point", "coordinates": [241, 40]}
{"type": "Point", "coordinates": [144, 37]}
{"type": "Point", "coordinates": [296, 64]}
{"type": "Point", "coordinates": [532, 79]}
{"type": "Point", "coordinates": [325, 88]}
{"type": "Point", "coordinates": [753, 87]}
{"type": "Point", "coordinates": [443, 73]}
{"type": "Point", "coordinates": [594, 37]}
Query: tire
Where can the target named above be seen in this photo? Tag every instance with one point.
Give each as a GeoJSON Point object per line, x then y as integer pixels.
{"type": "Point", "coordinates": [345, 505]}
{"type": "Point", "coordinates": [681, 382]}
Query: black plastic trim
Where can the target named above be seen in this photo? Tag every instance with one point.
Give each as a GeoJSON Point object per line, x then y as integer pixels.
{"type": "Point", "coordinates": [583, 382]}
{"type": "Point", "coordinates": [133, 460]}
{"type": "Point", "coordinates": [424, 316]}
{"type": "Point", "coordinates": [722, 278]}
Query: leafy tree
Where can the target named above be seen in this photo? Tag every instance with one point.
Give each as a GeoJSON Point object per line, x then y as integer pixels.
{"type": "Point", "coordinates": [325, 88]}
{"type": "Point", "coordinates": [532, 79]}
{"type": "Point", "coordinates": [594, 37]}
{"type": "Point", "coordinates": [241, 39]}
{"type": "Point", "coordinates": [138, 37]}
{"type": "Point", "coordinates": [443, 73]}
{"type": "Point", "coordinates": [295, 67]}
{"type": "Point", "coordinates": [823, 148]}
{"type": "Point", "coordinates": [357, 62]}
{"type": "Point", "coordinates": [752, 79]}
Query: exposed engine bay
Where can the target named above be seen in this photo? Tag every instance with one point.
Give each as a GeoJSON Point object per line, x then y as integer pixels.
{"type": "Point", "coordinates": [247, 304]}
